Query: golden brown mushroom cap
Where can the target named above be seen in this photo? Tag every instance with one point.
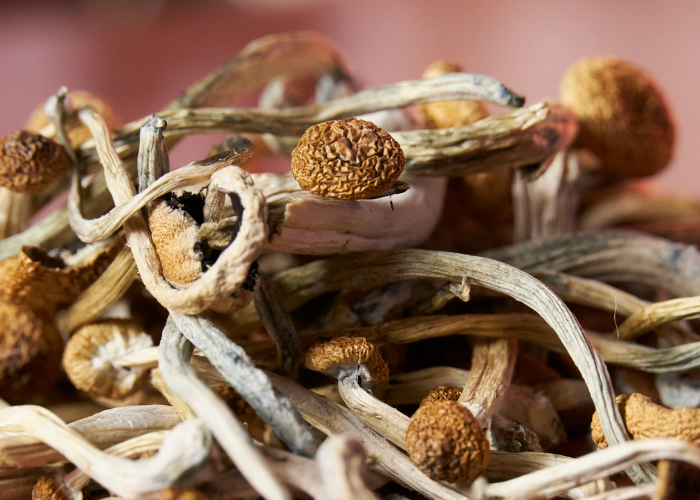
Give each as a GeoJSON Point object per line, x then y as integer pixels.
{"type": "Point", "coordinates": [442, 393]}
{"type": "Point", "coordinates": [47, 489]}
{"type": "Point", "coordinates": [77, 132]}
{"type": "Point", "coordinates": [623, 115]}
{"type": "Point", "coordinates": [30, 353]}
{"type": "Point", "coordinates": [347, 159]}
{"type": "Point", "coordinates": [447, 443]}
{"type": "Point", "coordinates": [344, 356]}
{"type": "Point", "coordinates": [448, 114]}
{"type": "Point", "coordinates": [88, 356]}
{"type": "Point", "coordinates": [30, 163]}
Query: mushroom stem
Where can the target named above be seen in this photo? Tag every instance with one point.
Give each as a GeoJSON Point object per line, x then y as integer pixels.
{"type": "Point", "coordinates": [342, 461]}
{"type": "Point", "coordinates": [153, 160]}
{"type": "Point", "coordinates": [173, 355]}
{"type": "Point", "coordinates": [15, 212]}
{"type": "Point", "coordinates": [56, 113]}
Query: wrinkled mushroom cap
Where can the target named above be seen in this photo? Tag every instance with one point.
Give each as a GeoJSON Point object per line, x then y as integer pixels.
{"type": "Point", "coordinates": [30, 353]}
{"type": "Point", "coordinates": [30, 163]}
{"type": "Point", "coordinates": [347, 357]}
{"type": "Point", "coordinates": [77, 132]}
{"type": "Point", "coordinates": [446, 442]}
{"type": "Point", "coordinates": [88, 357]}
{"type": "Point", "coordinates": [347, 159]}
{"type": "Point", "coordinates": [47, 488]}
{"type": "Point", "coordinates": [448, 114]}
{"type": "Point", "coordinates": [623, 115]}
{"type": "Point", "coordinates": [442, 393]}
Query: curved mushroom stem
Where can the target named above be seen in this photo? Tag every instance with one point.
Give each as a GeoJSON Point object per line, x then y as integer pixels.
{"type": "Point", "coordinates": [342, 462]}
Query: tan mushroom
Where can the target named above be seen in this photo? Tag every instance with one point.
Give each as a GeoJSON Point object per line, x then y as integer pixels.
{"type": "Point", "coordinates": [30, 353]}
{"type": "Point", "coordinates": [442, 393]}
{"type": "Point", "coordinates": [30, 163]}
{"type": "Point", "coordinates": [447, 443]}
{"type": "Point", "coordinates": [77, 132]}
{"type": "Point", "coordinates": [348, 159]}
{"type": "Point", "coordinates": [623, 114]}
{"type": "Point", "coordinates": [89, 353]}
{"type": "Point", "coordinates": [646, 420]}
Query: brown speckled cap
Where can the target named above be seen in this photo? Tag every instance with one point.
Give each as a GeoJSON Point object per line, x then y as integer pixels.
{"type": "Point", "coordinates": [30, 163]}
{"type": "Point", "coordinates": [347, 159]}
{"type": "Point", "coordinates": [623, 115]}
{"type": "Point", "coordinates": [30, 353]}
{"type": "Point", "coordinates": [447, 443]}
{"type": "Point", "coordinates": [448, 114]}
{"type": "Point", "coordinates": [345, 356]}
{"type": "Point", "coordinates": [442, 393]}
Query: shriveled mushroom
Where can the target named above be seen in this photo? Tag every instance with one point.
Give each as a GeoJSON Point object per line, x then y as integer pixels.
{"type": "Point", "coordinates": [88, 357]}
{"type": "Point", "coordinates": [348, 159]}
{"type": "Point", "coordinates": [30, 357]}
{"type": "Point", "coordinates": [29, 162]}
{"type": "Point", "coordinates": [447, 443]}
{"type": "Point", "coordinates": [645, 420]}
{"type": "Point", "coordinates": [624, 116]}
{"type": "Point", "coordinates": [442, 393]}
{"type": "Point", "coordinates": [359, 366]}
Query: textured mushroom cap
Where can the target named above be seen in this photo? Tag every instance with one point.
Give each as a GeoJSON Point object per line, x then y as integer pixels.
{"type": "Point", "coordinates": [442, 393]}
{"type": "Point", "coordinates": [30, 353]}
{"type": "Point", "coordinates": [46, 489]}
{"type": "Point", "coordinates": [34, 278]}
{"type": "Point", "coordinates": [347, 159]}
{"type": "Point", "coordinates": [88, 357]}
{"type": "Point", "coordinates": [77, 132]}
{"type": "Point", "coordinates": [623, 115]}
{"type": "Point", "coordinates": [174, 233]}
{"type": "Point", "coordinates": [29, 162]}
{"type": "Point", "coordinates": [447, 443]}
{"type": "Point", "coordinates": [448, 114]}
{"type": "Point", "coordinates": [345, 356]}
{"type": "Point", "coordinates": [645, 420]}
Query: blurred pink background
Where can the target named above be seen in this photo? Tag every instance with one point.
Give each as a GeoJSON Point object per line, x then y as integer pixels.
{"type": "Point", "coordinates": [139, 54]}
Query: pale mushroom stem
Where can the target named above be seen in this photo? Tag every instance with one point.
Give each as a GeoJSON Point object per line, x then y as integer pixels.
{"type": "Point", "coordinates": [153, 160]}
{"type": "Point", "coordinates": [342, 461]}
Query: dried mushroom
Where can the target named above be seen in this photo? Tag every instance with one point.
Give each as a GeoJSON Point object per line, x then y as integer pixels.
{"type": "Point", "coordinates": [447, 443]}
{"type": "Point", "coordinates": [348, 159]}
{"type": "Point", "coordinates": [88, 357]}
{"type": "Point", "coordinates": [623, 115]}
{"type": "Point", "coordinates": [30, 163]}
{"type": "Point", "coordinates": [442, 393]}
{"type": "Point", "coordinates": [448, 114]}
{"type": "Point", "coordinates": [30, 353]}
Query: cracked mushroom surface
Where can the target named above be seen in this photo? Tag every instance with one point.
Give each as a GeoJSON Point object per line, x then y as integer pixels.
{"type": "Point", "coordinates": [30, 163]}
{"type": "Point", "coordinates": [447, 443]}
{"type": "Point", "coordinates": [442, 393]}
{"type": "Point", "coordinates": [623, 114]}
{"type": "Point", "coordinates": [88, 357]}
{"type": "Point", "coordinates": [347, 159]}
{"type": "Point", "coordinates": [343, 357]}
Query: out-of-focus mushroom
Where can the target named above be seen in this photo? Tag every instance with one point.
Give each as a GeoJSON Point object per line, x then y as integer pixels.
{"type": "Point", "coordinates": [623, 114]}
{"type": "Point", "coordinates": [88, 357]}
{"type": "Point", "coordinates": [447, 443]}
{"type": "Point", "coordinates": [348, 159]}
{"type": "Point", "coordinates": [30, 163]}
{"type": "Point", "coordinates": [442, 393]}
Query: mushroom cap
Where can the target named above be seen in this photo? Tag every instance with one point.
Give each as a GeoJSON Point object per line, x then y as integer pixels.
{"type": "Point", "coordinates": [174, 232]}
{"type": "Point", "coordinates": [442, 393]}
{"type": "Point", "coordinates": [446, 442]}
{"type": "Point", "coordinates": [34, 278]}
{"type": "Point", "coordinates": [30, 353]}
{"type": "Point", "coordinates": [88, 357]}
{"type": "Point", "coordinates": [448, 114]}
{"type": "Point", "coordinates": [623, 115]}
{"type": "Point", "coordinates": [348, 159]}
{"type": "Point", "coordinates": [346, 356]}
{"type": "Point", "coordinates": [48, 489]}
{"type": "Point", "coordinates": [77, 132]}
{"type": "Point", "coordinates": [30, 163]}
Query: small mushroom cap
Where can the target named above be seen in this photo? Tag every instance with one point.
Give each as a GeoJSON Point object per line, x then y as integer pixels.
{"type": "Point", "coordinates": [448, 114]}
{"type": "Point", "coordinates": [30, 353]}
{"type": "Point", "coordinates": [346, 356]}
{"type": "Point", "coordinates": [77, 132]}
{"type": "Point", "coordinates": [645, 420]}
{"type": "Point", "coordinates": [174, 232]}
{"type": "Point", "coordinates": [348, 159]}
{"type": "Point", "coordinates": [446, 442]}
{"type": "Point", "coordinates": [89, 353]}
{"type": "Point", "coordinates": [47, 489]}
{"type": "Point", "coordinates": [623, 115]}
{"type": "Point", "coordinates": [442, 393]}
{"type": "Point", "coordinates": [30, 163]}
